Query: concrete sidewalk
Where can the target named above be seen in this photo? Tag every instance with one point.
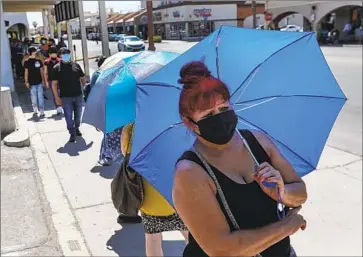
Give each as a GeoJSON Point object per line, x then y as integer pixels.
{"type": "Point", "coordinates": [26, 225]}
{"type": "Point", "coordinates": [79, 195]}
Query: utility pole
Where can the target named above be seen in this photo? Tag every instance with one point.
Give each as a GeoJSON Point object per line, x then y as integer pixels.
{"type": "Point", "coordinates": [83, 37]}
{"type": "Point", "coordinates": [103, 25]}
{"type": "Point", "coordinates": [150, 27]}
{"type": "Point", "coordinates": [254, 13]}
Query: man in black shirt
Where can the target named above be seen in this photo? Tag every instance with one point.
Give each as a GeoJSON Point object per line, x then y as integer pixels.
{"type": "Point", "coordinates": [67, 76]}
{"type": "Point", "coordinates": [34, 80]}
{"type": "Point", "coordinates": [48, 70]}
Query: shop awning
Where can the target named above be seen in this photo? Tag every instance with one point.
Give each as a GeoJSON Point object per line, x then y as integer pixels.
{"type": "Point", "coordinates": [129, 16]}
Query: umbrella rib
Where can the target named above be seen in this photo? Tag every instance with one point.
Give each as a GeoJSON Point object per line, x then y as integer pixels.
{"type": "Point", "coordinates": [258, 66]}
{"type": "Point", "coordinates": [286, 96]}
{"type": "Point", "coordinates": [158, 84]}
{"type": "Point", "coordinates": [217, 52]}
{"type": "Point", "coordinates": [301, 158]}
{"type": "Point", "coordinates": [155, 138]}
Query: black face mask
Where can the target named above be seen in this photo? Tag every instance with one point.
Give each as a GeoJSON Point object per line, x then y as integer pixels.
{"type": "Point", "coordinates": [53, 59]}
{"type": "Point", "coordinates": [218, 129]}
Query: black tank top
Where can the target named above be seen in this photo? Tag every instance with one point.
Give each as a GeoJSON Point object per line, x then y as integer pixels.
{"type": "Point", "coordinates": [250, 206]}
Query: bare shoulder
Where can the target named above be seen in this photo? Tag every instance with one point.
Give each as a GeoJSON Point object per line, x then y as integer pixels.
{"type": "Point", "coordinates": [189, 171]}
{"type": "Point", "coordinates": [192, 177]}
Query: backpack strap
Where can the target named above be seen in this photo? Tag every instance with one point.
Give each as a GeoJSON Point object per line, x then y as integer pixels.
{"type": "Point", "coordinates": [255, 146]}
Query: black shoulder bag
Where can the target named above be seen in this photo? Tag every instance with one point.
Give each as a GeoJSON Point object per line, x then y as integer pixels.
{"type": "Point", "coordinates": [127, 190]}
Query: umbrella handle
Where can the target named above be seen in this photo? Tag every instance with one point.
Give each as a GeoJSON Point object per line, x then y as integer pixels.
{"type": "Point", "coordinates": [267, 184]}
{"type": "Point", "coordinates": [280, 206]}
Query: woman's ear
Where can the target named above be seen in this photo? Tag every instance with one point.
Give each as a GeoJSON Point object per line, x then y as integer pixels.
{"type": "Point", "coordinates": [191, 125]}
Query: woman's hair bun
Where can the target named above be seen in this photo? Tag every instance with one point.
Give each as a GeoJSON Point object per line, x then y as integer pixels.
{"type": "Point", "coordinates": [192, 72]}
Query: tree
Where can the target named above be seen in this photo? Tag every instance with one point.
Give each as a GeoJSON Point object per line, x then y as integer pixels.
{"type": "Point", "coordinates": [150, 27]}
{"type": "Point", "coordinates": [254, 14]}
{"type": "Point", "coordinates": [35, 24]}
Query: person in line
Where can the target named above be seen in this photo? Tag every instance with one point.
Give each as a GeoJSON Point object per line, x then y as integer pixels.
{"type": "Point", "coordinates": [67, 77]}
{"type": "Point", "coordinates": [61, 44]}
{"type": "Point", "coordinates": [34, 80]}
{"type": "Point", "coordinates": [157, 214]}
{"type": "Point", "coordinates": [110, 146]}
{"type": "Point", "coordinates": [219, 191]}
{"type": "Point", "coordinates": [44, 48]}
{"type": "Point", "coordinates": [51, 43]}
{"type": "Point", "coordinates": [48, 71]}
{"type": "Point", "coordinates": [18, 64]}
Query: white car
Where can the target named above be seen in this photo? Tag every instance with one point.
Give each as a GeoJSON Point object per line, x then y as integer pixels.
{"type": "Point", "coordinates": [130, 44]}
{"type": "Point", "coordinates": [292, 28]}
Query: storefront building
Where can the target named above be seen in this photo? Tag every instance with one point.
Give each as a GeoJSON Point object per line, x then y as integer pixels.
{"type": "Point", "coordinates": [189, 21]}
{"type": "Point", "coordinates": [195, 20]}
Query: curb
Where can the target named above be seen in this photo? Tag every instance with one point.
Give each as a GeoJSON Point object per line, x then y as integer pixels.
{"type": "Point", "coordinates": [69, 235]}
{"type": "Point", "coordinates": [20, 137]}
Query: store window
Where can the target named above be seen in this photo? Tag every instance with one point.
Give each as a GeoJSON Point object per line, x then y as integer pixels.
{"type": "Point", "coordinates": [200, 29]}
{"type": "Point", "coordinates": [177, 31]}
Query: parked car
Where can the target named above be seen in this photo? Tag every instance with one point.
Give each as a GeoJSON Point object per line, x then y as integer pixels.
{"type": "Point", "coordinates": [119, 36]}
{"type": "Point", "coordinates": [130, 44]}
{"type": "Point", "coordinates": [292, 28]}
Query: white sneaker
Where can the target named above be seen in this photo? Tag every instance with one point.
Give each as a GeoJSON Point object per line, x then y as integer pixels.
{"type": "Point", "coordinates": [35, 110]}
{"type": "Point", "coordinates": [59, 110]}
{"type": "Point", "coordinates": [42, 114]}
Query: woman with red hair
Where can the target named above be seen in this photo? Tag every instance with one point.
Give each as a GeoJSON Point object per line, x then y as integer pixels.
{"type": "Point", "coordinates": [219, 191]}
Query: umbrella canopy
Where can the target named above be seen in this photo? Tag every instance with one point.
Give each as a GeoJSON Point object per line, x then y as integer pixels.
{"type": "Point", "coordinates": [280, 84]}
{"type": "Point", "coordinates": [111, 103]}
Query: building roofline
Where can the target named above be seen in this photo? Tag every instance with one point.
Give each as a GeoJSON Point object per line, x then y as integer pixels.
{"type": "Point", "coordinates": [206, 2]}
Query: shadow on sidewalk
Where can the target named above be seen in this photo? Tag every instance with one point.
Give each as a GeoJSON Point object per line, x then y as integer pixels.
{"type": "Point", "coordinates": [73, 149]}
{"type": "Point", "coordinates": [130, 241]}
{"type": "Point", "coordinates": [24, 98]}
{"type": "Point", "coordinates": [107, 172]}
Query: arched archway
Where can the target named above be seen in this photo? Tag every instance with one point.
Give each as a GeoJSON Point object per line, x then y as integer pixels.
{"type": "Point", "coordinates": [17, 31]}
{"type": "Point", "coordinates": [347, 20]}
{"type": "Point", "coordinates": [291, 17]}
{"type": "Point", "coordinates": [248, 21]}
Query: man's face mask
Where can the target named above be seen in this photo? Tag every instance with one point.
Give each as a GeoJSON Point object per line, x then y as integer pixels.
{"type": "Point", "coordinates": [66, 57]}
{"type": "Point", "coordinates": [218, 129]}
{"type": "Point", "coordinates": [43, 42]}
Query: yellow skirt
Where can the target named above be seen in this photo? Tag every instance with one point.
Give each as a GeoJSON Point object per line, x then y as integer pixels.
{"type": "Point", "coordinates": [154, 203]}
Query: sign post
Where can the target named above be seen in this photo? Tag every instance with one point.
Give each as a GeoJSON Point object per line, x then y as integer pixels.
{"type": "Point", "coordinates": [103, 26]}
{"type": "Point", "coordinates": [83, 38]}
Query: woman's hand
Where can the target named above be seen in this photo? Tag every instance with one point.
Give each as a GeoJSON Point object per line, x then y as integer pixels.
{"type": "Point", "coordinates": [267, 173]}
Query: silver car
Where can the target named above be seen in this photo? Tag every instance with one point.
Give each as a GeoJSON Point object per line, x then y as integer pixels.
{"type": "Point", "coordinates": [130, 44]}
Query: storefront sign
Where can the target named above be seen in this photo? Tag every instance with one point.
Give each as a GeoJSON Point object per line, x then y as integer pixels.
{"type": "Point", "coordinates": [202, 12]}
{"type": "Point", "coordinates": [157, 16]}
{"type": "Point", "coordinates": [143, 19]}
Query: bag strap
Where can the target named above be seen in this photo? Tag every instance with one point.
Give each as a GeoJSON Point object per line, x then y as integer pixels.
{"type": "Point", "coordinates": [219, 189]}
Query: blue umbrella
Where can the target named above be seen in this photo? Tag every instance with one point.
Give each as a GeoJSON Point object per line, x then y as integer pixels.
{"type": "Point", "coordinates": [280, 84]}
{"type": "Point", "coordinates": [111, 103]}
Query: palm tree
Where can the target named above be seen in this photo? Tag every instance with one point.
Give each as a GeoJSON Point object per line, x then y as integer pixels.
{"type": "Point", "coordinates": [35, 24]}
